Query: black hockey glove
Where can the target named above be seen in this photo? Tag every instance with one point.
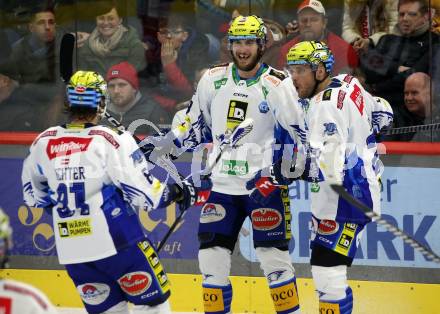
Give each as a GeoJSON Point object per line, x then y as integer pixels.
{"type": "Point", "coordinates": [194, 195]}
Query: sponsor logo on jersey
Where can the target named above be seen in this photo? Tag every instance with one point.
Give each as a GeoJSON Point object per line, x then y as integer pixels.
{"type": "Point", "coordinates": [285, 298]}
{"type": "Point", "coordinates": [93, 293]}
{"type": "Point", "coordinates": [330, 128]}
{"type": "Point", "coordinates": [235, 167]}
{"type": "Point", "coordinates": [106, 135]}
{"type": "Point", "coordinates": [135, 283]}
{"type": "Point", "coordinates": [328, 227]}
{"type": "Point", "coordinates": [236, 113]}
{"type": "Point", "coordinates": [273, 80]}
{"type": "Point", "coordinates": [265, 219]}
{"type": "Point", "coordinates": [263, 107]}
{"type": "Point", "coordinates": [357, 98]}
{"type": "Point", "coordinates": [212, 213]}
{"type": "Point", "coordinates": [5, 305]}
{"type": "Point", "coordinates": [213, 300]}
{"type": "Point", "coordinates": [327, 94]}
{"type": "Point", "coordinates": [240, 95]}
{"type": "Point", "coordinates": [220, 83]}
{"type": "Point", "coordinates": [348, 79]}
{"type": "Point", "coordinates": [137, 156]}
{"type": "Point", "coordinates": [75, 228]}
{"type": "Point", "coordinates": [341, 97]}
{"type": "Point", "coordinates": [329, 308]}
{"type": "Point", "coordinates": [65, 146]}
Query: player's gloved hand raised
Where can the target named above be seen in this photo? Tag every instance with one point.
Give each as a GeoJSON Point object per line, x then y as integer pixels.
{"type": "Point", "coordinates": [194, 194]}
{"type": "Point", "coordinates": [266, 183]}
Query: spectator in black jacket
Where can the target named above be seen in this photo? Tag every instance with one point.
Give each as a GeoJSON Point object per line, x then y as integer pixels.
{"type": "Point", "coordinates": [128, 104]}
{"type": "Point", "coordinates": [398, 55]}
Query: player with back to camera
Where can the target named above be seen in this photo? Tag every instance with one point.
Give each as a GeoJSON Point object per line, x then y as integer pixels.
{"type": "Point", "coordinates": [92, 180]}
{"type": "Point", "coordinates": [226, 95]}
{"type": "Point", "coordinates": [342, 120]}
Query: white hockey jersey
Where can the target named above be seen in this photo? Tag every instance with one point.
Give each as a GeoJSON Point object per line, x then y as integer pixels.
{"type": "Point", "coordinates": [222, 101]}
{"type": "Point", "coordinates": [21, 298]}
{"type": "Point", "coordinates": [92, 179]}
{"type": "Point", "coordinates": [342, 121]}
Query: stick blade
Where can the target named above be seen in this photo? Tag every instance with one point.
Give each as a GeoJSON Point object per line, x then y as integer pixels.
{"type": "Point", "coordinates": [66, 56]}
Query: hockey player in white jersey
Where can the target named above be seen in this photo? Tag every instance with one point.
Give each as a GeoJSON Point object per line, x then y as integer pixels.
{"type": "Point", "coordinates": [342, 120]}
{"type": "Point", "coordinates": [18, 297]}
{"type": "Point", "coordinates": [92, 180]}
{"type": "Point", "coordinates": [226, 95]}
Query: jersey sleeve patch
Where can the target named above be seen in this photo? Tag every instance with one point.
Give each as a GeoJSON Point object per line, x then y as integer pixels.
{"type": "Point", "coordinates": [327, 95]}
{"type": "Point", "coordinates": [106, 135]}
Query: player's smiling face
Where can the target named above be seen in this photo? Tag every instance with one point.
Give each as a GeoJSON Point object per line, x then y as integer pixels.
{"type": "Point", "coordinates": [303, 79]}
{"type": "Point", "coordinates": [245, 54]}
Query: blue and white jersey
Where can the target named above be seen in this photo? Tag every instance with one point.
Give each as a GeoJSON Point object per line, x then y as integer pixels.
{"type": "Point", "coordinates": [222, 101]}
{"type": "Point", "coordinates": [342, 130]}
{"type": "Point", "coordinates": [92, 179]}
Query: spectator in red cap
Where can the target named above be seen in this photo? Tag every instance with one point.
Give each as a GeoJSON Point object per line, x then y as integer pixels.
{"type": "Point", "coordinates": [312, 24]}
{"type": "Point", "coordinates": [128, 104]}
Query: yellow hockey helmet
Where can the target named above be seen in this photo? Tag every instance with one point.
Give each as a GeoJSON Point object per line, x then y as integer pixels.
{"type": "Point", "coordinates": [312, 53]}
{"type": "Point", "coordinates": [247, 27]}
{"type": "Point", "coordinates": [86, 89]}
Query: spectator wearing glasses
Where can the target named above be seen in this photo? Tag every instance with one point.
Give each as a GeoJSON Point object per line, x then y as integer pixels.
{"type": "Point", "coordinates": [183, 49]}
{"type": "Point", "coordinates": [312, 25]}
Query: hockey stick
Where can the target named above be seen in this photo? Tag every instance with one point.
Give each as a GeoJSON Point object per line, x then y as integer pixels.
{"type": "Point", "coordinates": [414, 128]}
{"type": "Point", "coordinates": [428, 253]}
{"type": "Point", "coordinates": [229, 141]}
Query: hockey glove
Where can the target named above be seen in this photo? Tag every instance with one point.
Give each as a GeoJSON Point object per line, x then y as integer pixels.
{"type": "Point", "coordinates": [265, 184]}
{"type": "Point", "coordinates": [194, 195]}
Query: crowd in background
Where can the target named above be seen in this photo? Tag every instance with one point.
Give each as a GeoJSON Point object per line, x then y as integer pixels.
{"type": "Point", "coordinates": [153, 52]}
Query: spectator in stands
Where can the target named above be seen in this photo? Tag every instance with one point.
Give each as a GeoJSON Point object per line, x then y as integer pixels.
{"type": "Point", "coordinates": [128, 104]}
{"type": "Point", "coordinates": [435, 6]}
{"type": "Point", "coordinates": [282, 13]}
{"type": "Point", "coordinates": [183, 49]}
{"type": "Point", "coordinates": [418, 107]}
{"type": "Point", "coordinates": [110, 43]}
{"type": "Point", "coordinates": [398, 55]}
{"type": "Point", "coordinates": [365, 21]}
{"type": "Point", "coordinates": [35, 57]}
{"type": "Point", "coordinates": [30, 107]}
{"type": "Point", "coordinates": [312, 24]}
{"type": "Point", "coordinates": [214, 16]}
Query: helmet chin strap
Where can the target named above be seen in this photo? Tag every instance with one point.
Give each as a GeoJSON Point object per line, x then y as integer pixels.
{"type": "Point", "coordinates": [317, 82]}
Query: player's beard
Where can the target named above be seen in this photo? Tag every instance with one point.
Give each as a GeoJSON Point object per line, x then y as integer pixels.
{"type": "Point", "coordinates": [251, 65]}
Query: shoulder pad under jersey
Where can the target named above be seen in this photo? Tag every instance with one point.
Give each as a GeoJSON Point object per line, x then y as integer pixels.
{"type": "Point", "coordinates": [220, 65]}
{"type": "Point", "coordinates": [278, 74]}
